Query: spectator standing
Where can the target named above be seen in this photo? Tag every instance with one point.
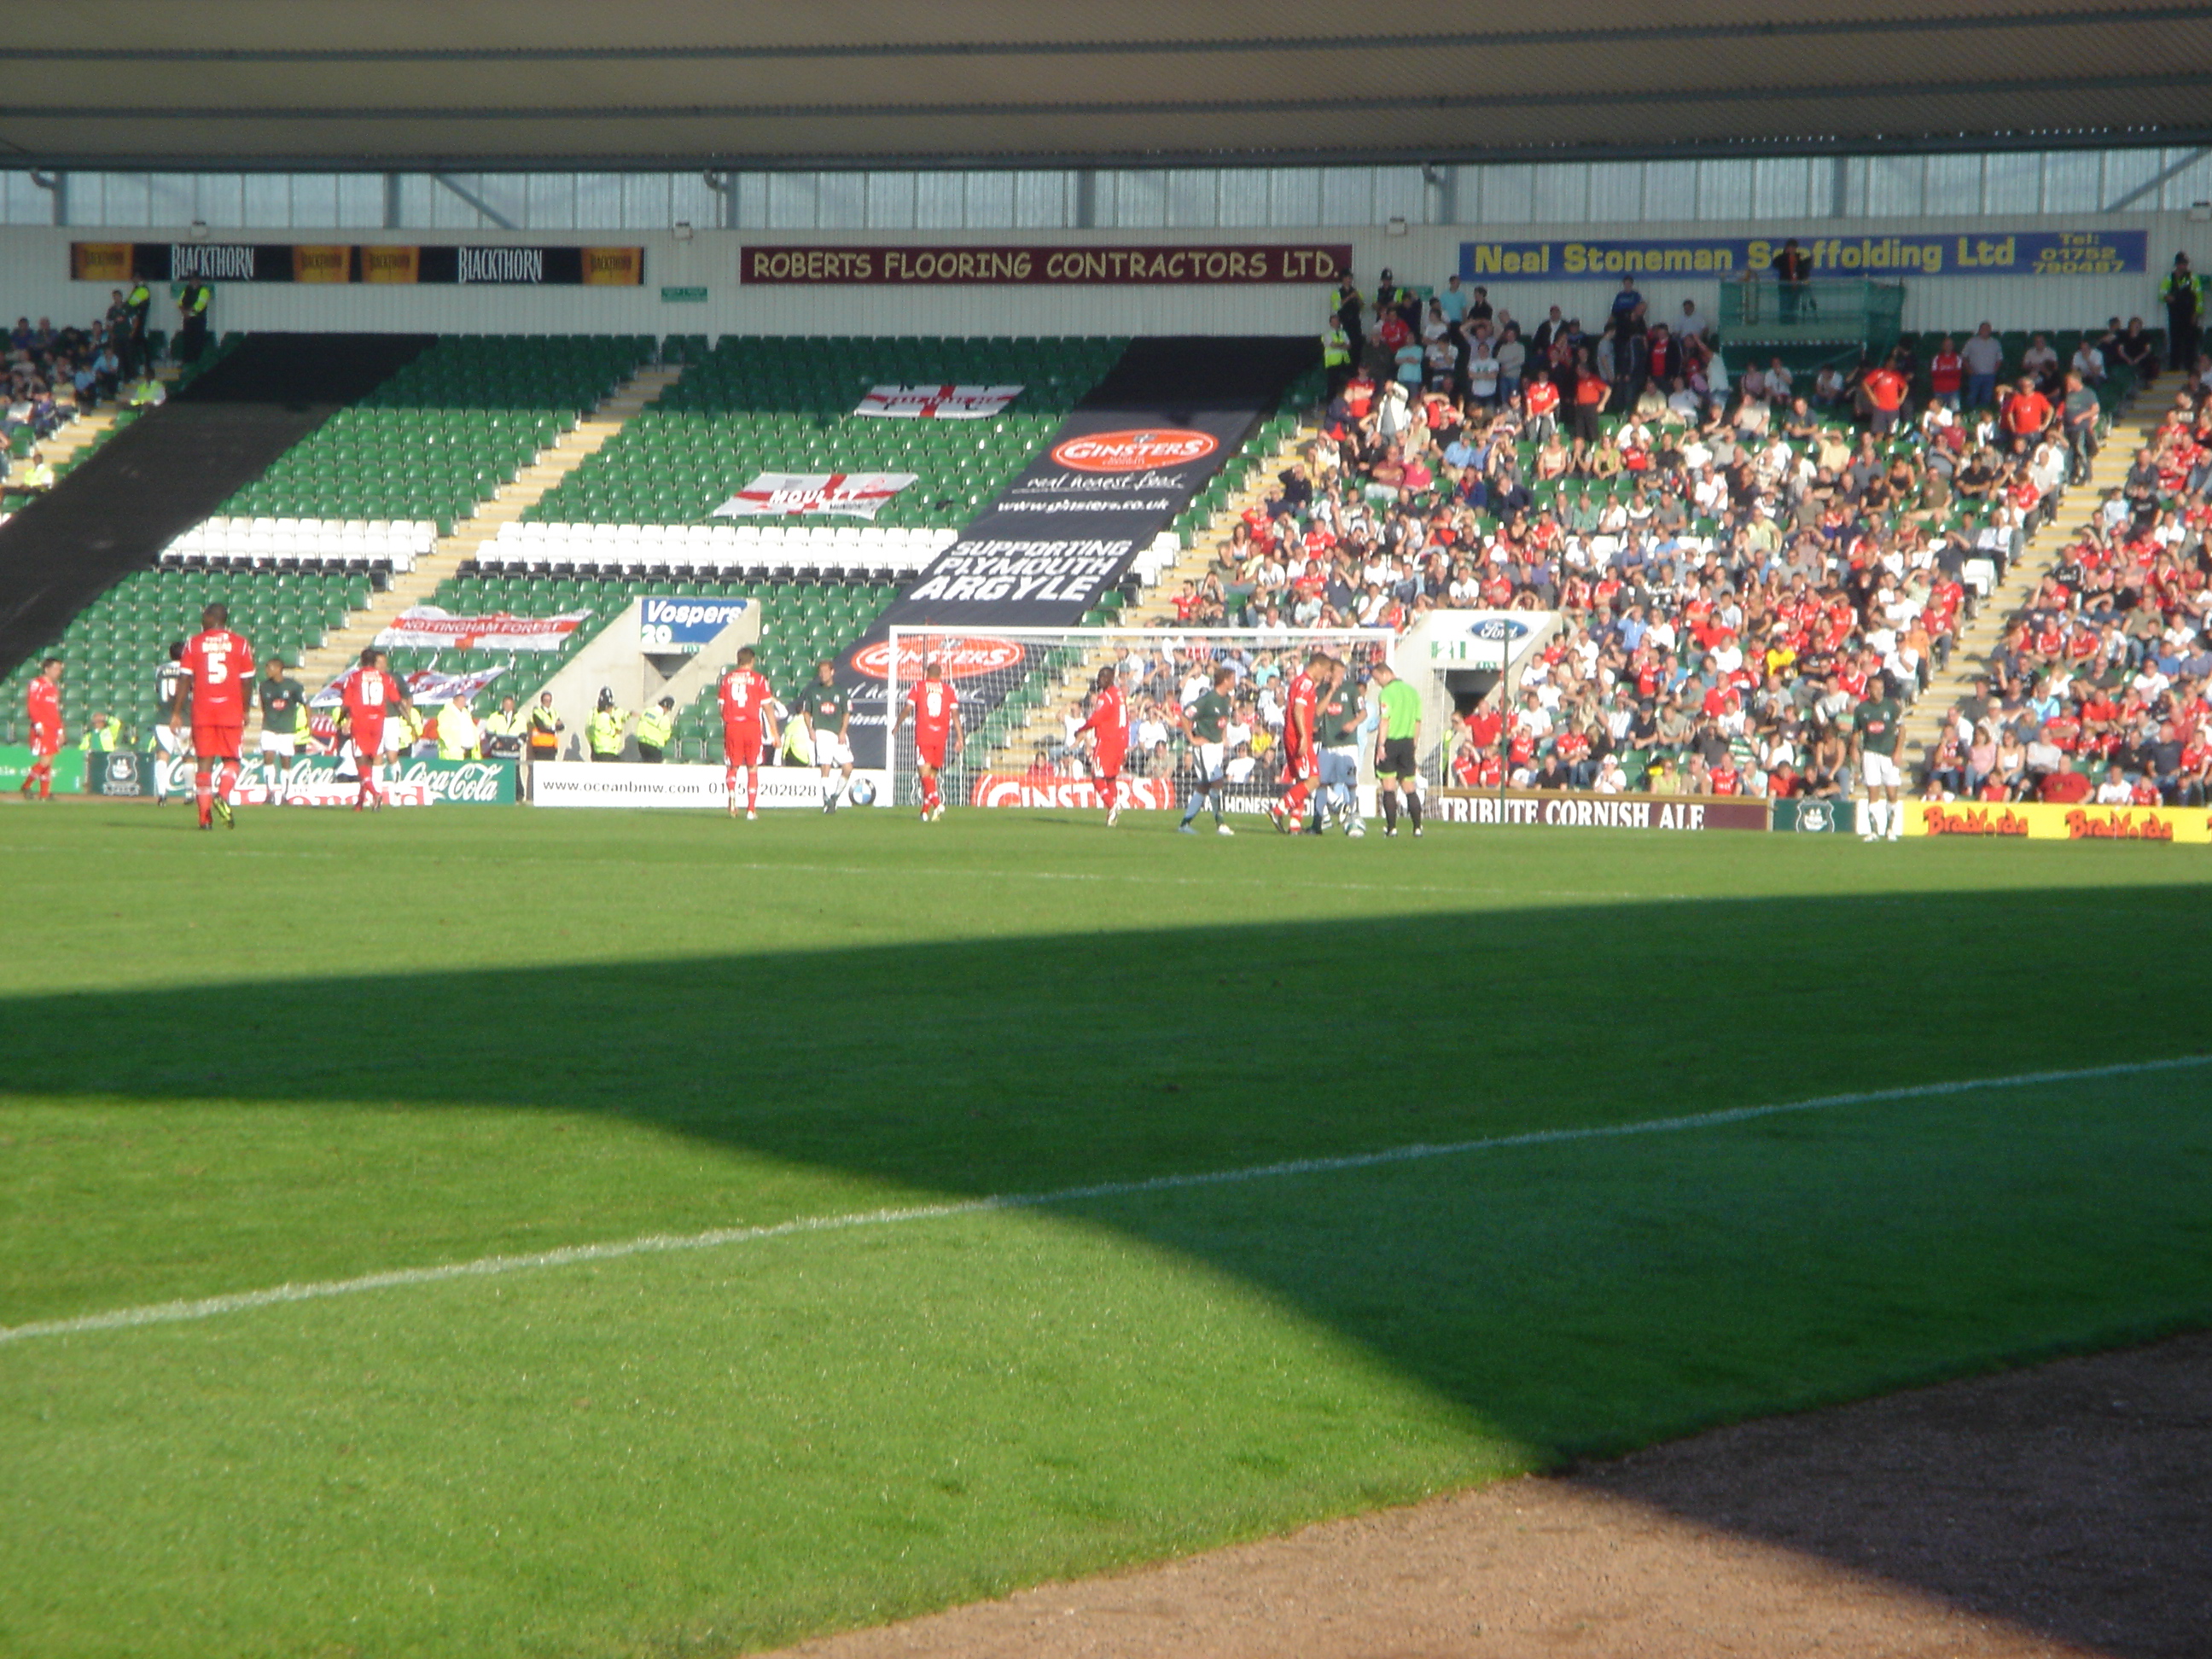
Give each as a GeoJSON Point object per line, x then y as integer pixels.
{"type": "Point", "coordinates": [1946, 372]}
{"type": "Point", "coordinates": [2183, 292]}
{"type": "Point", "coordinates": [1984, 356]}
{"type": "Point", "coordinates": [1792, 270]}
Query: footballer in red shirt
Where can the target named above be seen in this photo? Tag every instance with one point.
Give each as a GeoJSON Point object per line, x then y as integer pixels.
{"type": "Point", "coordinates": [1301, 760]}
{"type": "Point", "coordinates": [42, 701]}
{"type": "Point", "coordinates": [934, 708]}
{"type": "Point", "coordinates": [1107, 723]}
{"type": "Point", "coordinates": [218, 668]}
{"type": "Point", "coordinates": [747, 719]}
{"type": "Point", "coordinates": [373, 689]}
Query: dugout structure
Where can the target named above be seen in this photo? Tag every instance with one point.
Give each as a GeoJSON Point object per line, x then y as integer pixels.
{"type": "Point", "coordinates": [1018, 685]}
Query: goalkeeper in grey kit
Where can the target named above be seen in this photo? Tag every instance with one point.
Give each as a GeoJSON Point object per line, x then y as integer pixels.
{"type": "Point", "coordinates": [1207, 721]}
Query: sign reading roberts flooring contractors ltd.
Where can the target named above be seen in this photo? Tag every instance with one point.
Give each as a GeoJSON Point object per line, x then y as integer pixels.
{"type": "Point", "coordinates": [1048, 265]}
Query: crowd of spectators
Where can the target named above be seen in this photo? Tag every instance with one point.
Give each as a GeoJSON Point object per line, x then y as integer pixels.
{"type": "Point", "coordinates": [1741, 554]}
{"type": "Point", "coordinates": [56, 374]}
{"type": "Point", "coordinates": [2099, 690]}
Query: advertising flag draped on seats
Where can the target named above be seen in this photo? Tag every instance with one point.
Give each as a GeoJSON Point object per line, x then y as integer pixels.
{"type": "Point", "coordinates": [855, 494]}
{"type": "Point", "coordinates": [938, 403]}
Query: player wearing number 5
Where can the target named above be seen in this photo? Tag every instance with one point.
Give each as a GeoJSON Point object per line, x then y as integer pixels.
{"type": "Point", "coordinates": [218, 666]}
{"type": "Point", "coordinates": [934, 708]}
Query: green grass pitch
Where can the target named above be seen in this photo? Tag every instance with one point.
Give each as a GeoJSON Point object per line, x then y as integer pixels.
{"type": "Point", "coordinates": [326, 1046]}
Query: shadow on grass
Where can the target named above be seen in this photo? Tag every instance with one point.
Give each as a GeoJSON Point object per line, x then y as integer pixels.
{"type": "Point", "coordinates": [1585, 1303]}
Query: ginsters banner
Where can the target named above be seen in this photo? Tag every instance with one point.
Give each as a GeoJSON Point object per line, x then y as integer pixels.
{"type": "Point", "coordinates": [1047, 266]}
{"type": "Point", "coordinates": [502, 265]}
{"type": "Point", "coordinates": [1066, 530]}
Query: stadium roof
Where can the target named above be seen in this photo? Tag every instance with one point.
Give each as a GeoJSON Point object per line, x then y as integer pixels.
{"type": "Point", "coordinates": [516, 83]}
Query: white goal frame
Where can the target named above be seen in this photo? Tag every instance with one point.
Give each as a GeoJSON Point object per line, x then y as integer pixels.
{"type": "Point", "coordinates": [1060, 684]}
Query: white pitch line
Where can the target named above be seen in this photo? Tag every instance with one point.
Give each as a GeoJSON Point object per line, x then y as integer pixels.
{"type": "Point", "coordinates": [173, 1313]}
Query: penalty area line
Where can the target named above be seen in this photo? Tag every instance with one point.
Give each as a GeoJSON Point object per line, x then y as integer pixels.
{"type": "Point", "coordinates": [214, 1307]}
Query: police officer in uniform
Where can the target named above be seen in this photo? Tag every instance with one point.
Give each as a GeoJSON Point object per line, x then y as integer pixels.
{"type": "Point", "coordinates": [654, 728]}
{"type": "Point", "coordinates": [604, 733]}
{"type": "Point", "coordinates": [1350, 309]}
{"type": "Point", "coordinates": [132, 347]}
{"type": "Point", "coordinates": [1336, 355]}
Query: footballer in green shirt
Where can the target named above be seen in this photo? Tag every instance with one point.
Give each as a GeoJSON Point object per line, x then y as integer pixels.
{"type": "Point", "coordinates": [1207, 721]}
{"type": "Point", "coordinates": [826, 710]}
{"type": "Point", "coordinates": [1873, 733]}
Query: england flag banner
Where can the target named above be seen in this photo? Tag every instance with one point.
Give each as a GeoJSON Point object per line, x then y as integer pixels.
{"type": "Point", "coordinates": [938, 403]}
{"type": "Point", "coordinates": [426, 625]}
{"type": "Point", "coordinates": [856, 494]}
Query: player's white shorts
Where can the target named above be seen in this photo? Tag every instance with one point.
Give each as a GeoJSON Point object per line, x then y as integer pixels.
{"type": "Point", "coordinates": [1211, 761]}
{"type": "Point", "coordinates": [1880, 771]}
{"type": "Point", "coordinates": [830, 749]}
{"type": "Point", "coordinates": [285, 744]}
{"type": "Point", "coordinates": [172, 739]}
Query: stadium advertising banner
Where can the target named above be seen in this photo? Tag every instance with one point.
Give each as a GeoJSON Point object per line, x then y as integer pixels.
{"type": "Point", "coordinates": [855, 494]}
{"type": "Point", "coordinates": [1815, 816]}
{"type": "Point", "coordinates": [683, 627]}
{"type": "Point", "coordinates": [427, 626]}
{"type": "Point", "coordinates": [1047, 265]}
{"type": "Point", "coordinates": [938, 403]}
{"type": "Point", "coordinates": [320, 780]}
{"type": "Point", "coordinates": [1931, 253]}
{"type": "Point", "coordinates": [1553, 810]}
{"type": "Point", "coordinates": [2040, 821]}
{"type": "Point", "coordinates": [502, 266]}
{"type": "Point", "coordinates": [622, 783]}
{"type": "Point", "coordinates": [15, 766]}
{"type": "Point", "coordinates": [1020, 789]}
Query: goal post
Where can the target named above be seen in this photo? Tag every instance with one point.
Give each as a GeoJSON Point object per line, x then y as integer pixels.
{"type": "Point", "coordinates": [1021, 690]}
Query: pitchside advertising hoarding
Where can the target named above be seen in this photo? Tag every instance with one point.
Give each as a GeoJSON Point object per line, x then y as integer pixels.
{"type": "Point", "coordinates": [1920, 253]}
{"type": "Point", "coordinates": [1562, 811]}
{"type": "Point", "coordinates": [701, 788]}
{"type": "Point", "coordinates": [2039, 821]}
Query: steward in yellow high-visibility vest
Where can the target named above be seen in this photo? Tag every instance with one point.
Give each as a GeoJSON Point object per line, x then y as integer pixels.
{"type": "Point", "coordinates": [457, 737]}
{"type": "Point", "coordinates": [654, 728]}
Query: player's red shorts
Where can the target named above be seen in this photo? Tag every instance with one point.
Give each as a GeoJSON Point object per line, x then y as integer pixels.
{"type": "Point", "coordinates": [46, 742]}
{"type": "Point", "coordinates": [1299, 765]}
{"type": "Point", "coordinates": [741, 745]}
{"type": "Point", "coordinates": [931, 754]}
{"type": "Point", "coordinates": [368, 737]}
{"type": "Point", "coordinates": [217, 742]}
{"type": "Point", "coordinates": [1107, 762]}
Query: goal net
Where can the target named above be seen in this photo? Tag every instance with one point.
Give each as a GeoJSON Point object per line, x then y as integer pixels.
{"type": "Point", "coordinates": [1024, 691]}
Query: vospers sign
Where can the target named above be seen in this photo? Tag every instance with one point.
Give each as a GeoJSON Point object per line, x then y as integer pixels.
{"type": "Point", "coordinates": [1103, 267]}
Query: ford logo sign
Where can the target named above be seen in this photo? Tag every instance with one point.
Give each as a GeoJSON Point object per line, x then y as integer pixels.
{"type": "Point", "coordinates": [1497, 629]}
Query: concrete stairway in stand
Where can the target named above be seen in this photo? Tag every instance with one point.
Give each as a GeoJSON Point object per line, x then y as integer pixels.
{"type": "Point", "coordinates": [2132, 425]}
{"type": "Point", "coordinates": [528, 488]}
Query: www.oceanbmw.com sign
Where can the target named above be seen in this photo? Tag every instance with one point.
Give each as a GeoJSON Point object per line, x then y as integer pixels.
{"type": "Point", "coordinates": [1929, 253]}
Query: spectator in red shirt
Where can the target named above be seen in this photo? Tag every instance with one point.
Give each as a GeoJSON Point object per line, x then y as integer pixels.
{"type": "Point", "coordinates": [1946, 374]}
{"type": "Point", "coordinates": [2027, 413]}
{"type": "Point", "coordinates": [1882, 395]}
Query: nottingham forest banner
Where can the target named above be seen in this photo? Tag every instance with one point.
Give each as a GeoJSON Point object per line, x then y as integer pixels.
{"type": "Point", "coordinates": [1921, 253]}
{"type": "Point", "coordinates": [515, 266]}
{"type": "Point", "coordinates": [1115, 475]}
{"type": "Point", "coordinates": [1049, 266]}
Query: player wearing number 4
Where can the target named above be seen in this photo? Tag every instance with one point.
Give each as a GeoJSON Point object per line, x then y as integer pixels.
{"type": "Point", "coordinates": [934, 708]}
{"type": "Point", "coordinates": [1107, 723]}
{"type": "Point", "coordinates": [747, 718]}
{"type": "Point", "coordinates": [218, 667]}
